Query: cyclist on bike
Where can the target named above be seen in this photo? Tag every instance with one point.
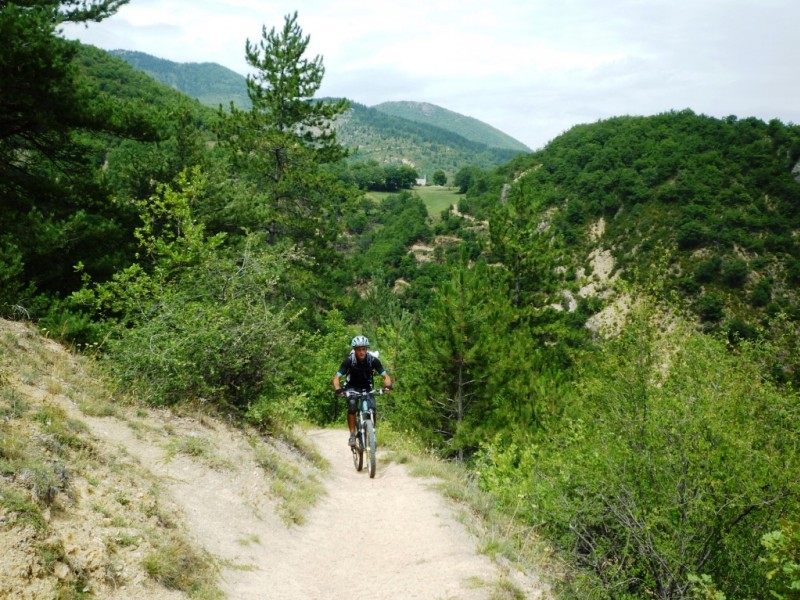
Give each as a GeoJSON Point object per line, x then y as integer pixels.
{"type": "Point", "coordinates": [358, 366]}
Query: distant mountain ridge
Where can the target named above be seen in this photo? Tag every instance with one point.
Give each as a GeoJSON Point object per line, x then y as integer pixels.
{"type": "Point", "coordinates": [468, 127]}
{"type": "Point", "coordinates": [210, 83]}
{"type": "Point", "coordinates": [382, 137]}
{"type": "Point", "coordinates": [421, 134]}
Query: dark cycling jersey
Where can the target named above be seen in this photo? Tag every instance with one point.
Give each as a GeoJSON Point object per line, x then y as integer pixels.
{"type": "Point", "coordinates": [359, 374]}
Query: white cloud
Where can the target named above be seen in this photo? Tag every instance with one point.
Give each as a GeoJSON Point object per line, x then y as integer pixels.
{"type": "Point", "coordinates": [532, 68]}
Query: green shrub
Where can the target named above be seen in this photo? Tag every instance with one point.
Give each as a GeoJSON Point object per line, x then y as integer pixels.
{"type": "Point", "coordinates": [203, 322]}
{"type": "Point", "coordinates": [739, 329]}
{"type": "Point", "coordinates": [691, 234]}
{"type": "Point", "coordinates": [673, 460]}
{"type": "Point", "coordinates": [710, 307]}
{"type": "Point", "coordinates": [734, 273]}
{"type": "Point", "coordinates": [761, 294]}
{"type": "Point", "coordinates": [708, 270]}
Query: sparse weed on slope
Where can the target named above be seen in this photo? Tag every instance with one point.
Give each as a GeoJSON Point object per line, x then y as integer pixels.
{"type": "Point", "coordinates": [294, 476]}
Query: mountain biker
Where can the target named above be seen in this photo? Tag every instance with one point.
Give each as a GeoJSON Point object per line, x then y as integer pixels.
{"type": "Point", "coordinates": [358, 366]}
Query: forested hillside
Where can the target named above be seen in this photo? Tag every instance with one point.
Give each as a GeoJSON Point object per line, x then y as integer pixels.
{"type": "Point", "coordinates": [424, 136]}
{"type": "Point", "coordinates": [604, 334]}
{"type": "Point", "coordinates": [707, 208]}
{"type": "Point", "coordinates": [375, 135]}
{"type": "Point", "coordinates": [210, 83]}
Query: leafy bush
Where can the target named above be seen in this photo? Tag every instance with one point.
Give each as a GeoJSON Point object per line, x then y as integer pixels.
{"type": "Point", "coordinates": [783, 560]}
{"type": "Point", "coordinates": [710, 307]}
{"type": "Point", "coordinates": [734, 274]}
{"type": "Point", "coordinates": [739, 329]}
{"type": "Point", "coordinates": [206, 323]}
{"type": "Point", "coordinates": [708, 270]}
{"type": "Point", "coordinates": [691, 234]}
{"type": "Point", "coordinates": [761, 293]}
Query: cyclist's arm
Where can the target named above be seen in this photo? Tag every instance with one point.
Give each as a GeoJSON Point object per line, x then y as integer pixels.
{"type": "Point", "coordinates": [337, 383]}
{"type": "Point", "coordinates": [387, 380]}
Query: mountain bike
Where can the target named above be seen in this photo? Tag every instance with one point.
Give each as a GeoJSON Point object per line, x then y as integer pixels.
{"type": "Point", "coordinates": [366, 442]}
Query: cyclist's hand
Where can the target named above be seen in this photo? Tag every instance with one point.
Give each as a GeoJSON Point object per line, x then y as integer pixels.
{"type": "Point", "coordinates": [388, 388]}
{"type": "Point", "coordinates": [340, 392]}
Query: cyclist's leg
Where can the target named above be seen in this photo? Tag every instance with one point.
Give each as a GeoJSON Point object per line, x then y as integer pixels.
{"type": "Point", "coordinates": [351, 420]}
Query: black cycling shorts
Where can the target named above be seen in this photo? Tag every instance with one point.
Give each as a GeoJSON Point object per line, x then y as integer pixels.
{"type": "Point", "coordinates": [352, 404]}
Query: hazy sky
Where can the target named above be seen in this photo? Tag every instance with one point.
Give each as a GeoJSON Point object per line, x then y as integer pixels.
{"type": "Point", "coordinates": [531, 68]}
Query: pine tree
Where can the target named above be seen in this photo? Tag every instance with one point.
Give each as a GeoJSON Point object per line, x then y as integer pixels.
{"type": "Point", "coordinates": [283, 87]}
{"type": "Point", "coordinates": [523, 244]}
{"type": "Point", "coordinates": [451, 344]}
{"type": "Point", "coordinates": [280, 145]}
{"type": "Point", "coordinates": [46, 176]}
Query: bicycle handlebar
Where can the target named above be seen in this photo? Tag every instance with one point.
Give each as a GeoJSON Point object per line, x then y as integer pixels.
{"type": "Point", "coordinates": [378, 392]}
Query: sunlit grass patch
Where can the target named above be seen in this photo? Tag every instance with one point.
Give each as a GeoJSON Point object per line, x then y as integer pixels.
{"type": "Point", "coordinates": [249, 539]}
{"type": "Point", "coordinates": [12, 404]}
{"type": "Point", "coordinates": [64, 433]}
{"type": "Point", "coordinates": [198, 447]}
{"type": "Point", "coordinates": [306, 448]}
{"type": "Point", "coordinates": [505, 589]}
{"type": "Point", "coordinates": [98, 407]}
{"type": "Point", "coordinates": [21, 508]}
{"type": "Point", "coordinates": [177, 565]}
{"type": "Point", "coordinates": [437, 199]}
{"type": "Point", "coordinates": [296, 490]}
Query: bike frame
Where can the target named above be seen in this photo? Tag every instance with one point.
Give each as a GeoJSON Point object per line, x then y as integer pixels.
{"type": "Point", "coordinates": [364, 413]}
{"type": "Point", "coordinates": [365, 429]}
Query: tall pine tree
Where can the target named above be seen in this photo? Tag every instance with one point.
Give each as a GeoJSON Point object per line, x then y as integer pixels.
{"type": "Point", "coordinates": [280, 145]}
{"type": "Point", "coordinates": [453, 359]}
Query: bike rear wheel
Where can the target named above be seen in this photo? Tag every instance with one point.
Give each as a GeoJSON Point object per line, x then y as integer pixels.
{"type": "Point", "coordinates": [358, 454]}
{"type": "Point", "coordinates": [372, 446]}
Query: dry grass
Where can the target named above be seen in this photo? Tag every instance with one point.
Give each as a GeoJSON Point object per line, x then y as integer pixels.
{"type": "Point", "coordinates": [177, 565]}
{"type": "Point", "coordinates": [294, 479]}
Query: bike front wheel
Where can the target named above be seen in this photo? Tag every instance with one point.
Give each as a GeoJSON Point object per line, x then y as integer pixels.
{"type": "Point", "coordinates": [372, 447]}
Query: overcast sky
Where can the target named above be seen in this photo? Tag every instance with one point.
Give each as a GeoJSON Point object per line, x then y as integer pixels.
{"type": "Point", "coordinates": [531, 68]}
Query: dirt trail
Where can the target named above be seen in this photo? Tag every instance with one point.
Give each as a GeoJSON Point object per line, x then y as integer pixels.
{"type": "Point", "coordinates": [150, 471]}
{"type": "Point", "coordinates": [387, 537]}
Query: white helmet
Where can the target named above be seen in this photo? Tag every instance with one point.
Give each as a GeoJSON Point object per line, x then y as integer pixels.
{"type": "Point", "coordinates": [359, 341]}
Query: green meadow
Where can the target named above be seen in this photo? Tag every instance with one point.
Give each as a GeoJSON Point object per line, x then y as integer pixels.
{"type": "Point", "coordinates": [436, 198]}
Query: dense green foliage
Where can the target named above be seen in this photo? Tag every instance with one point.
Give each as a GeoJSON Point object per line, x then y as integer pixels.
{"type": "Point", "coordinates": [56, 205]}
{"type": "Point", "coordinates": [670, 459]}
{"type": "Point", "coordinates": [372, 176]}
{"type": "Point", "coordinates": [227, 257]}
{"type": "Point", "coordinates": [233, 356]}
